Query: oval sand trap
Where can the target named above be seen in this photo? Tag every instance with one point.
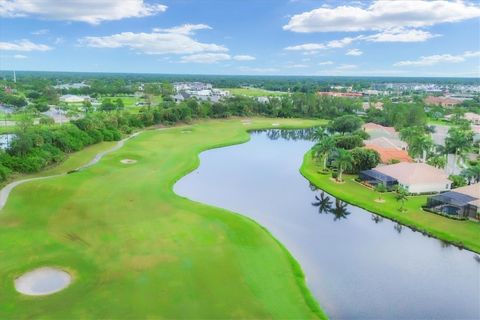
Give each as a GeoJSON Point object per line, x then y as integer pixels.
{"type": "Point", "coordinates": [128, 161]}
{"type": "Point", "coordinates": [43, 281]}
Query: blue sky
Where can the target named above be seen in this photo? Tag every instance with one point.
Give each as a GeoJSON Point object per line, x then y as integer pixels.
{"type": "Point", "coordinates": [290, 37]}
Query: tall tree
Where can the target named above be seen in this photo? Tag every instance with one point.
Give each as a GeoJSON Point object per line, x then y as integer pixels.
{"type": "Point", "coordinates": [323, 149]}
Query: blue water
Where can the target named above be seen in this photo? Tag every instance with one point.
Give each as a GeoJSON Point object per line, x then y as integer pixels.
{"type": "Point", "coordinates": [358, 265]}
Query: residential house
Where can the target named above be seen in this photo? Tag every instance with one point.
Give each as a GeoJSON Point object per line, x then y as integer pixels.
{"type": "Point", "coordinates": [414, 177]}
{"type": "Point", "coordinates": [462, 202]}
{"type": "Point", "coordinates": [441, 101]}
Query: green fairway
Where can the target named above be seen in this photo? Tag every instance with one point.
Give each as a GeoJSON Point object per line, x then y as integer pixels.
{"type": "Point", "coordinates": [255, 92]}
{"type": "Point", "coordinates": [463, 233]}
{"type": "Point", "coordinates": [137, 250]}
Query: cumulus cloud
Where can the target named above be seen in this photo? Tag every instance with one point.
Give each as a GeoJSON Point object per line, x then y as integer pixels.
{"type": "Point", "coordinates": [390, 35]}
{"type": "Point", "coordinates": [176, 40]}
{"type": "Point", "coordinates": [188, 29]}
{"type": "Point", "coordinates": [20, 56]}
{"type": "Point", "coordinates": [325, 63]}
{"type": "Point", "coordinates": [400, 35]}
{"type": "Point", "coordinates": [382, 15]}
{"type": "Point", "coordinates": [23, 45]}
{"type": "Point", "coordinates": [347, 67]}
{"type": "Point", "coordinates": [93, 12]}
{"type": "Point", "coordinates": [311, 48]}
{"type": "Point", "coordinates": [243, 57]}
{"type": "Point", "coordinates": [354, 52]}
{"type": "Point", "coordinates": [426, 61]}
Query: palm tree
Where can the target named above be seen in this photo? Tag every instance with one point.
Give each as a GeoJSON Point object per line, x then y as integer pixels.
{"type": "Point", "coordinates": [420, 145]}
{"type": "Point", "coordinates": [323, 149]}
{"type": "Point", "coordinates": [380, 188]}
{"type": "Point", "coordinates": [402, 196]}
{"type": "Point", "coordinates": [324, 203]}
{"type": "Point", "coordinates": [472, 174]}
{"type": "Point", "coordinates": [438, 161]}
{"type": "Point", "coordinates": [458, 142]}
{"type": "Point", "coordinates": [344, 161]}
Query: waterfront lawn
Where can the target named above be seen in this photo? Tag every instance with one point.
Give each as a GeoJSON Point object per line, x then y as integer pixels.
{"type": "Point", "coordinates": [136, 249]}
{"type": "Point", "coordinates": [462, 233]}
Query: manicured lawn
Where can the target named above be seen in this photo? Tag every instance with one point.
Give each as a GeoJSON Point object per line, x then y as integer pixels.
{"type": "Point", "coordinates": [254, 92]}
{"type": "Point", "coordinates": [463, 233]}
{"type": "Point", "coordinates": [137, 250]}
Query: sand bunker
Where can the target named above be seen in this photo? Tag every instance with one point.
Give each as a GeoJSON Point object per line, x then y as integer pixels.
{"type": "Point", "coordinates": [43, 281]}
{"type": "Point", "coordinates": [275, 124]}
{"type": "Point", "coordinates": [128, 161]}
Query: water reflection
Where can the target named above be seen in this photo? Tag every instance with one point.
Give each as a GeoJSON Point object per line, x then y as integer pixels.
{"type": "Point", "coordinates": [357, 265]}
{"type": "Point", "coordinates": [309, 134]}
{"type": "Point", "coordinates": [325, 205]}
{"type": "Point", "coordinates": [376, 218]}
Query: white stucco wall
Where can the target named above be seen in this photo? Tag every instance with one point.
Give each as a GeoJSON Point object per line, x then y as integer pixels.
{"type": "Point", "coordinates": [422, 188]}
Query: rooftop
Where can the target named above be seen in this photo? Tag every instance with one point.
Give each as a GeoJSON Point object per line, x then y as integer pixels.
{"type": "Point", "coordinates": [414, 173]}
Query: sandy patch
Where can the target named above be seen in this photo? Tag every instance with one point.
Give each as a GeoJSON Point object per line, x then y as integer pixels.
{"type": "Point", "coordinates": [128, 161]}
{"type": "Point", "coordinates": [275, 124]}
{"type": "Point", "coordinates": [336, 181]}
{"type": "Point", "coordinates": [42, 281]}
{"type": "Point", "coordinates": [380, 200]}
{"type": "Point", "coordinates": [186, 131]}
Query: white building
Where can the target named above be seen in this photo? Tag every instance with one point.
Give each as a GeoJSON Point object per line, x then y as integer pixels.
{"type": "Point", "coordinates": [417, 177]}
{"type": "Point", "coordinates": [72, 98]}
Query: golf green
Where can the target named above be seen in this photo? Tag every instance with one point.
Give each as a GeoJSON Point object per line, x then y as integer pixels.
{"type": "Point", "coordinates": [137, 250]}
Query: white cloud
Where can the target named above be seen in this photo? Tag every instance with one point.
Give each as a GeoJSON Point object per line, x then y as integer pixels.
{"type": "Point", "coordinates": [23, 45]}
{"type": "Point", "coordinates": [383, 14]}
{"type": "Point", "coordinates": [354, 52]}
{"type": "Point", "coordinates": [426, 61]}
{"type": "Point", "coordinates": [400, 35]}
{"type": "Point", "coordinates": [20, 56]}
{"type": "Point", "coordinates": [93, 12]}
{"type": "Point", "coordinates": [312, 48]}
{"type": "Point", "coordinates": [243, 57]}
{"type": "Point", "coordinates": [206, 57]}
{"type": "Point", "coordinates": [40, 32]}
{"type": "Point", "coordinates": [188, 29]}
{"type": "Point", "coordinates": [390, 35]}
{"type": "Point", "coordinates": [325, 63]}
{"type": "Point", "coordinates": [175, 40]}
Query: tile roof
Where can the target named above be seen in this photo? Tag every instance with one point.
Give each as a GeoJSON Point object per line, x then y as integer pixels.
{"type": "Point", "coordinates": [414, 173]}
{"type": "Point", "coordinates": [389, 154]}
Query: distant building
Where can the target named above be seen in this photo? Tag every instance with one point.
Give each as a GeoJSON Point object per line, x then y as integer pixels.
{"type": "Point", "coordinates": [442, 101]}
{"type": "Point", "coordinates": [78, 85]}
{"type": "Point", "coordinates": [472, 117]}
{"type": "Point", "coordinates": [341, 94]}
{"type": "Point", "coordinates": [414, 177]}
{"type": "Point", "coordinates": [368, 105]}
{"type": "Point", "coordinates": [72, 98]}
{"type": "Point", "coordinates": [263, 99]}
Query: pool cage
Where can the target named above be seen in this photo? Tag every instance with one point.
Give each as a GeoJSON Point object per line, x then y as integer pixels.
{"type": "Point", "coordinates": [453, 204]}
{"type": "Point", "coordinates": [374, 178]}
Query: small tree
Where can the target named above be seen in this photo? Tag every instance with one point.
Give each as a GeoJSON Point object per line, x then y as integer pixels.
{"type": "Point", "coordinates": [402, 197]}
{"type": "Point", "coordinates": [322, 149]}
{"type": "Point", "coordinates": [380, 188]}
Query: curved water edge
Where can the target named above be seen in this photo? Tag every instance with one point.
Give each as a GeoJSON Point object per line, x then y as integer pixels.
{"type": "Point", "coordinates": [357, 264]}
{"type": "Point", "coordinates": [5, 192]}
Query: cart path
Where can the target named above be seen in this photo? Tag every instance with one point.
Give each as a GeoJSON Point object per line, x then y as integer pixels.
{"type": "Point", "coordinates": [5, 192]}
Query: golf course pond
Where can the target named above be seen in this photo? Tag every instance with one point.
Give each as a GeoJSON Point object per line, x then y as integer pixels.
{"type": "Point", "coordinates": [357, 264]}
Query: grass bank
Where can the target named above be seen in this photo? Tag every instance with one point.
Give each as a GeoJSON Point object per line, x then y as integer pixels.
{"type": "Point", "coordinates": [462, 233]}
{"type": "Point", "coordinates": [137, 250]}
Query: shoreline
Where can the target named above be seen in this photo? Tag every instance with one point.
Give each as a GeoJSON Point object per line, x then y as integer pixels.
{"type": "Point", "coordinates": [308, 171]}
